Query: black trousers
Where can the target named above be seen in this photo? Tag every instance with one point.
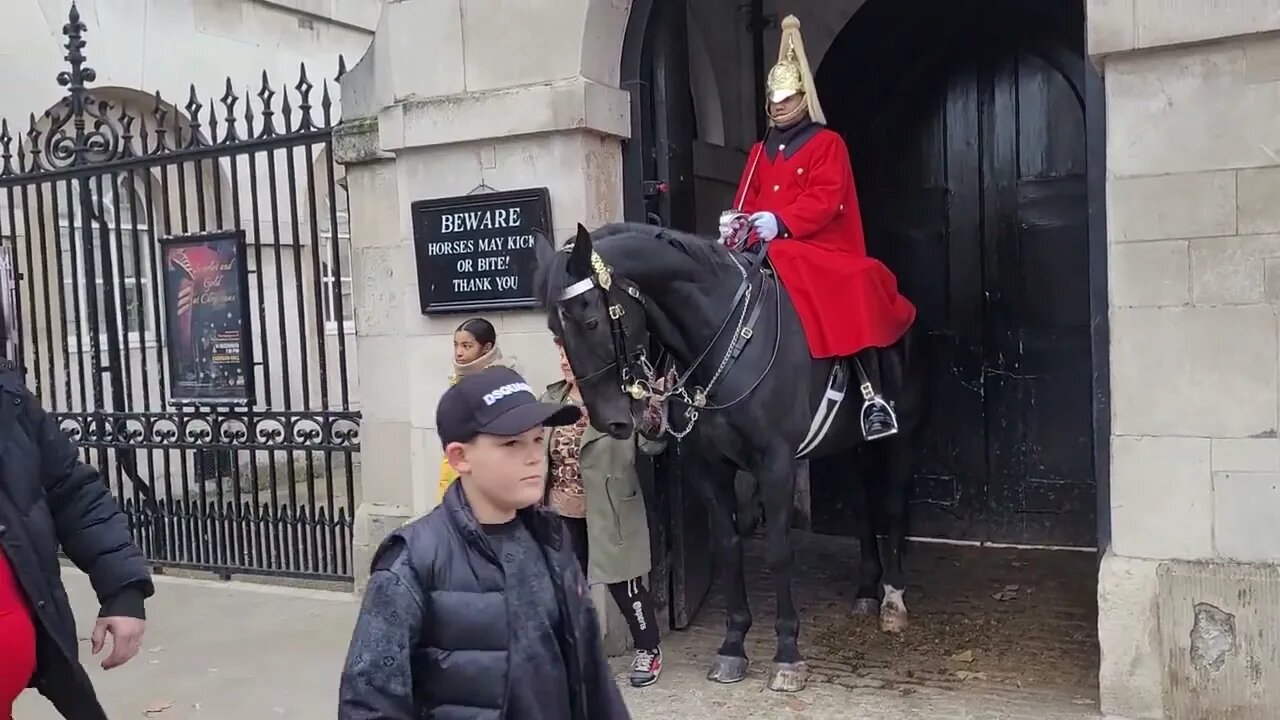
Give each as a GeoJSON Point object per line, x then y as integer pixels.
{"type": "Point", "coordinates": [633, 598]}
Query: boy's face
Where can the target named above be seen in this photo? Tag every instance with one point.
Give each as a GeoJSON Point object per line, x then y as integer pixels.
{"type": "Point", "coordinates": [507, 472]}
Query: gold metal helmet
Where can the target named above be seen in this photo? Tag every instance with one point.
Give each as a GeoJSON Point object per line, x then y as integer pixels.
{"type": "Point", "coordinates": [784, 78]}
{"type": "Point", "coordinates": [791, 74]}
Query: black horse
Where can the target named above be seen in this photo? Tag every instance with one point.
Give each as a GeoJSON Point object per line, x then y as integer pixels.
{"type": "Point", "coordinates": [746, 398]}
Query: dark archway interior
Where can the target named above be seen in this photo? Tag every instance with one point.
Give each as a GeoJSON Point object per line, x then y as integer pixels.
{"type": "Point", "coordinates": [890, 46]}
{"type": "Point", "coordinates": [966, 127]}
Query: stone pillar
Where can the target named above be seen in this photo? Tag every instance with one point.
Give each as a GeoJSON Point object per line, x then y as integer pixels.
{"type": "Point", "coordinates": [382, 265]}
{"type": "Point", "coordinates": [1188, 593]}
{"type": "Point", "coordinates": [451, 97]}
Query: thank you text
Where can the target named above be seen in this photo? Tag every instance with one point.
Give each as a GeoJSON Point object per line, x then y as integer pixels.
{"type": "Point", "coordinates": [478, 252]}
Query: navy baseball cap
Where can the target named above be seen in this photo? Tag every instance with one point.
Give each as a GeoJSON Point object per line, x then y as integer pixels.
{"type": "Point", "coordinates": [496, 401]}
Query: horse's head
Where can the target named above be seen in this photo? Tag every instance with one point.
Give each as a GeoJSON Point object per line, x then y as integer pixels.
{"type": "Point", "coordinates": [599, 318]}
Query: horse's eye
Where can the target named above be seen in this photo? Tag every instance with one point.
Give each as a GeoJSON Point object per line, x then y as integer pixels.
{"type": "Point", "coordinates": [592, 324]}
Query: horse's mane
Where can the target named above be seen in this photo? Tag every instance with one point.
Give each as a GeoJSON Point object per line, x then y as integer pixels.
{"type": "Point", "coordinates": [552, 275]}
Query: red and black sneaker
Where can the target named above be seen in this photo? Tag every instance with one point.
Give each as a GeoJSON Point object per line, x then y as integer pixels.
{"type": "Point", "coordinates": [646, 667]}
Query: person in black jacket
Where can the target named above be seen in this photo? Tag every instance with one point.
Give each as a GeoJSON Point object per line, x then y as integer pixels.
{"type": "Point", "coordinates": [49, 499]}
{"type": "Point", "coordinates": [479, 610]}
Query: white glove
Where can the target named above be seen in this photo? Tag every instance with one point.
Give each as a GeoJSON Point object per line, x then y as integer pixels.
{"type": "Point", "coordinates": [766, 225]}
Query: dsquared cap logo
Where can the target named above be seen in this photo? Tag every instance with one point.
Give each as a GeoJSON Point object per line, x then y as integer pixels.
{"type": "Point", "coordinates": [509, 389]}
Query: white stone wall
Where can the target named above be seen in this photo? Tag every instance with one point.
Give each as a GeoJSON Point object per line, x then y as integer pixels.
{"type": "Point", "coordinates": [167, 45]}
{"type": "Point", "coordinates": [1193, 160]}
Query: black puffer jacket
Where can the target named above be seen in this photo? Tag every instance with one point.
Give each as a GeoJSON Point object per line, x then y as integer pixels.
{"type": "Point", "coordinates": [437, 647]}
{"type": "Point", "coordinates": [51, 500]}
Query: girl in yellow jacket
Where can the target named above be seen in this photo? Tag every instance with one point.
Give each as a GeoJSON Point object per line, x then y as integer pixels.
{"type": "Point", "coordinates": [475, 347]}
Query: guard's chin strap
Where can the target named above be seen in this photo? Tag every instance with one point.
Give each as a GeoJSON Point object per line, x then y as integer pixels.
{"type": "Point", "coordinates": [789, 118]}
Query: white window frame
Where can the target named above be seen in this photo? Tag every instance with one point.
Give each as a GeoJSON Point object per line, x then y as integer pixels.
{"type": "Point", "coordinates": [328, 280]}
{"type": "Point", "coordinates": [78, 340]}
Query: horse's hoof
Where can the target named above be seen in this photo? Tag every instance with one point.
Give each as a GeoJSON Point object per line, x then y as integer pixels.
{"type": "Point", "coordinates": [728, 669]}
{"type": "Point", "coordinates": [893, 620]}
{"type": "Point", "coordinates": [866, 606]}
{"type": "Point", "coordinates": [789, 677]}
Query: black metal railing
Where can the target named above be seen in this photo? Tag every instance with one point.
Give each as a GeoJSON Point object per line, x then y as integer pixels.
{"type": "Point", "coordinates": [265, 486]}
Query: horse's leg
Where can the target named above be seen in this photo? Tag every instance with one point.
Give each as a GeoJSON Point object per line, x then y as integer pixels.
{"type": "Point", "coordinates": [898, 469]}
{"type": "Point", "coordinates": [715, 483]}
{"type": "Point", "coordinates": [777, 487]}
{"type": "Point", "coordinates": [867, 600]}
{"type": "Point", "coordinates": [747, 495]}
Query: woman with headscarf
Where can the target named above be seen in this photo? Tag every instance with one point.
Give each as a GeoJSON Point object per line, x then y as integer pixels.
{"type": "Point", "coordinates": [475, 347]}
{"type": "Point", "coordinates": [593, 486]}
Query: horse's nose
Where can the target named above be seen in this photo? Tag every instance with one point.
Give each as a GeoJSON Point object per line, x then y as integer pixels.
{"type": "Point", "coordinates": [619, 430]}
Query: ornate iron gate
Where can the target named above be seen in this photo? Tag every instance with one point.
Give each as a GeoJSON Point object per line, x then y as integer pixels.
{"type": "Point", "coordinates": [266, 486]}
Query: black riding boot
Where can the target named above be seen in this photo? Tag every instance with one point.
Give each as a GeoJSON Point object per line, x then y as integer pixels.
{"type": "Point", "coordinates": [878, 417]}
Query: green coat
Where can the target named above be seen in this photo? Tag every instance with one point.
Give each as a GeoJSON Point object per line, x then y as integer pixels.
{"type": "Point", "coordinates": [617, 524]}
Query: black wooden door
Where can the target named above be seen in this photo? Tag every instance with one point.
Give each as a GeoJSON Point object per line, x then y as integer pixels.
{"type": "Point", "coordinates": [1038, 369]}
{"type": "Point", "coordinates": [689, 533]}
{"type": "Point", "coordinates": [972, 181]}
{"type": "Point", "coordinates": [660, 161]}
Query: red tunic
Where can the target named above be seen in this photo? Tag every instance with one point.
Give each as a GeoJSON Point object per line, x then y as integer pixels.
{"type": "Point", "coordinates": [846, 300]}
{"type": "Point", "coordinates": [17, 640]}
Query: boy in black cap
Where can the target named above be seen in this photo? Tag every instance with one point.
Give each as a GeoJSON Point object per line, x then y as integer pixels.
{"type": "Point", "coordinates": [479, 610]}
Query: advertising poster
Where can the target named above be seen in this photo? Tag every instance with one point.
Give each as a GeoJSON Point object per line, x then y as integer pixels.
{"type": "Point", "coordinates": [206, 298]}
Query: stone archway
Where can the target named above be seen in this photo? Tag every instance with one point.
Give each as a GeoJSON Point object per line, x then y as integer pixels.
{"type": "Point", "coordinates": [603, 28]}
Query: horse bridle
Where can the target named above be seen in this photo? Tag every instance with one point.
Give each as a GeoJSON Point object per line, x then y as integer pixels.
{"type": "Point", "coordinates": [602, 277]}
{"type": "Point", "coordinates": [640, 385]}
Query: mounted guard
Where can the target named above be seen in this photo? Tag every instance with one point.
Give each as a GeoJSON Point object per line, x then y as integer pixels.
{"type": "Point", "coordinates": [798, 189]}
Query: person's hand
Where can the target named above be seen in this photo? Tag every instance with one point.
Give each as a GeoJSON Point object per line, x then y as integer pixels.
{"type": "Point", "coordinates": [766, 225]}
{"type": "Point", "coordinates": [126, 639]}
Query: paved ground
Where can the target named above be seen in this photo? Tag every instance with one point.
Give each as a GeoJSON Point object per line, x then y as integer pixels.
{"type": "Point", "coordinates": [236, 651]}
{"type": "Point", "coordinates": [987, 619]}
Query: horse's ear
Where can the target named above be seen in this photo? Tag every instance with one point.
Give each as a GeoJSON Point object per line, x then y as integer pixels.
{"type": "Point", "coordinates": [544, 257]}
{"type": "Point", "coordinates": [580, 258]}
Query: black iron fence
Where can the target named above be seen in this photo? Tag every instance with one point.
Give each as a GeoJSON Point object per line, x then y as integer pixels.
{"type": "Point", "coordinates": [217, 402]}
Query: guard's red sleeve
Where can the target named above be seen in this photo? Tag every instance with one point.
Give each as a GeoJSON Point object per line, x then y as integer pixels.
{"type": "Point", "coordinates": [829, 177]}
{"type": "Point", "coordinates": [749, 185]}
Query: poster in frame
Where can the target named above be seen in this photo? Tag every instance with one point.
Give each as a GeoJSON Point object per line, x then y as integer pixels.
{"type": "Point", "coordinates": [206, 309]}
